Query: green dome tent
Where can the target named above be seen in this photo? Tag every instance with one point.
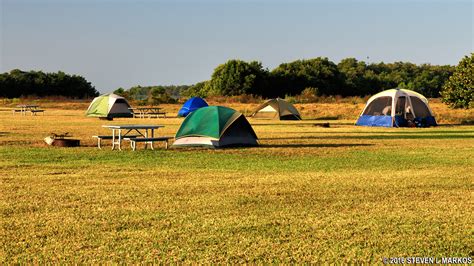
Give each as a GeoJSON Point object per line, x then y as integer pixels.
{"type": "Point", "coordinates": [277, 109]}
{"type": "Point", "coordinates": [109, 106]}
{"type": "Point", "coordinates": [215, 126]}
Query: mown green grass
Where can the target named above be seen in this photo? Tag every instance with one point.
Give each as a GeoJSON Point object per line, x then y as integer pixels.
{"type": "Point", "coordinates": [308, 194]}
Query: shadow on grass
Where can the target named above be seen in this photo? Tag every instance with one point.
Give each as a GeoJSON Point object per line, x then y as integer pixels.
{"type": "Point", "coordinates": [301, 124]}
{"type": "Point", "coordinates": [315, 123]}
{"type": "Point", "coordinates": [384, 132]}
{"type": "Point", "coordinates": [304, 145]}
{"type": "Point", "coordinates": [394, 136]}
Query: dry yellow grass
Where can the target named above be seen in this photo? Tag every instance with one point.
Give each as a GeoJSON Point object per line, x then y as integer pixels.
{"type": "Point", "coordinates": [307, 194]}
{"type": "Point", "coordinates": [321, 111]}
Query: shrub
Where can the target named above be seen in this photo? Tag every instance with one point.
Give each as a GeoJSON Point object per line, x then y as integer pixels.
{"type": "Point", "coordinates": [458, 92]}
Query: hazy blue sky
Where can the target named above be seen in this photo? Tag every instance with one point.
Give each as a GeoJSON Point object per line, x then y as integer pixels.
{"type": "Point", "coordinates": [121, 43]}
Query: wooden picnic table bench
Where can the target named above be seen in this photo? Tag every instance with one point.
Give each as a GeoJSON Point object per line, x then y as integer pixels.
{"type": "Point", "coordinates": [141, 112]}
{"type": "Point", "coordinates": [101, 137]}
{"type": "Point", "coordinates": [119, 132]}
{"type": "Point", "coordinates": [133, 141]}
{"type": "Point", "coordinates": [157, 114]}
{"type": "Point", "coordinates": [35, 111]}
{"type": "Point", "coordinates": [23, 108]}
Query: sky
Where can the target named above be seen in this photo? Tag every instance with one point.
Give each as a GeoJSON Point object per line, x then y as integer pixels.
{"type": "Point", "coordinates": [123, 43]}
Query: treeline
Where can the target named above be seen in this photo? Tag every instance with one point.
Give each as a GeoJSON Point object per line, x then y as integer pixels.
{"type": "Point", "coordinates": [348, 78]}
{"type": "Point", "coordinates": [19, 83]}
{"type": "Point", "coordinates": [320, 76]}
{"type": "Point", "coordinates": [153, 94]}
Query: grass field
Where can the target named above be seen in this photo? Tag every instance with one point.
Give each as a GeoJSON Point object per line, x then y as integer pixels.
{"type": "Point", "coordinates": [307, 194]}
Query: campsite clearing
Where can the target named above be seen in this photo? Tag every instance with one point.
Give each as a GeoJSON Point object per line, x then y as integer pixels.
{"type": "Point", "coordinates": [307, 194]}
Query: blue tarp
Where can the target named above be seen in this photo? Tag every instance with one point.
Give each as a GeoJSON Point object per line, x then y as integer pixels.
{"type": "Point", "coordinates": [192, 105]}
{"type": "Point", "coordinates": [375, 121]}
{"type": "Point", "coordinates": [386, 121]}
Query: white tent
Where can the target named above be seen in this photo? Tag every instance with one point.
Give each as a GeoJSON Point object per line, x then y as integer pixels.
{"type": "Point", "coordinates": [397, 108]}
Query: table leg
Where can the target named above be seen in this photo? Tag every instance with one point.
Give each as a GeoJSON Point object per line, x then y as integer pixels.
{"type": "Point", "coordinates": [146, 136]}
{"type": "Point", "coordinates": [113, 139]}
{"type": "Point", "coordinates": [152, 135]}
{"type": "Point", "coordinates": [120, 139]}
{"type": "Point", "coordinates": [99, 142]}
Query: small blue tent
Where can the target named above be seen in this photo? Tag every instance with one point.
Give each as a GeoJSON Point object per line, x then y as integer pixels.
{"type": "Point", "coordinates": [192, 105]}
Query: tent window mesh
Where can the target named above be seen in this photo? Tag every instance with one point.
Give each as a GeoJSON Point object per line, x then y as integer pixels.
{"type": "Point", "coordinates": [379, 106]}
{"type": "Point", "coordinates": [120, 106]}
{"type": "Point", "coordinates": [419, 107]}
{"type": "Point", "coordinates": [400, 109]}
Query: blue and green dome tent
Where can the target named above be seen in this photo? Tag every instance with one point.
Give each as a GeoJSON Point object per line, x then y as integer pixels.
{"type": "Point", "coordinates": [192, 105]}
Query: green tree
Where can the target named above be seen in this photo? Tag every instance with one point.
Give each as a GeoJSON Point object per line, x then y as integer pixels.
{"type": "Point", "coordinates": [237, 77]}
{"type": "Point", "coordinates": [358, 80]}
{"type": "Point", "coordinates": [458, 92]}
{"type": "Point", "coordinates": [122, 92]}
{"type": "Point", "coordinates": [292, 78]}
{"type": "Point", "coordinates": [430, 79]}
{"type": "Point", "coordinates": [159, 94]}
{"type": "Point", "coordinates": [138, 93]}
{"type": "Point", "coordinates": [19, 83]}
{"type": "Point", "coordinates": [200, 89]}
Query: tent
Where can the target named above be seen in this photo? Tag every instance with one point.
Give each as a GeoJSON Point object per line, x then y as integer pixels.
{"type": "Point", "coordinates": [215, 126]}
{"type": "Point", "coordinates": [109, 106]}
{"type": "Point", "coordinates": [277, 109]}
{"type": "Point", "coordinates": [192, 105]}
{"type": "Point", "coordinates": [397, 108]}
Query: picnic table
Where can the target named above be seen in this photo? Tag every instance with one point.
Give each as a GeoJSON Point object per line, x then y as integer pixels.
{"type": "Point", "coordinates": [147, 111]}
{"type": "Point", "coordinates": [24, 108]}
{"type": "Point", "coordinates": [119, 132]}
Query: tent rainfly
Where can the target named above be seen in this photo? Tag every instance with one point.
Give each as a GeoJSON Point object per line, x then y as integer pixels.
{"type": "Point", "coordinates": [109, 106]}
{"type": "Point", "coordinates": [277, 109]}
{"type": "Point", "coordinates": [397, 108]}
{"type": "Point", "coordinates": [192, 105]}
{"type": "Point", "coordinates": [215, 127]}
